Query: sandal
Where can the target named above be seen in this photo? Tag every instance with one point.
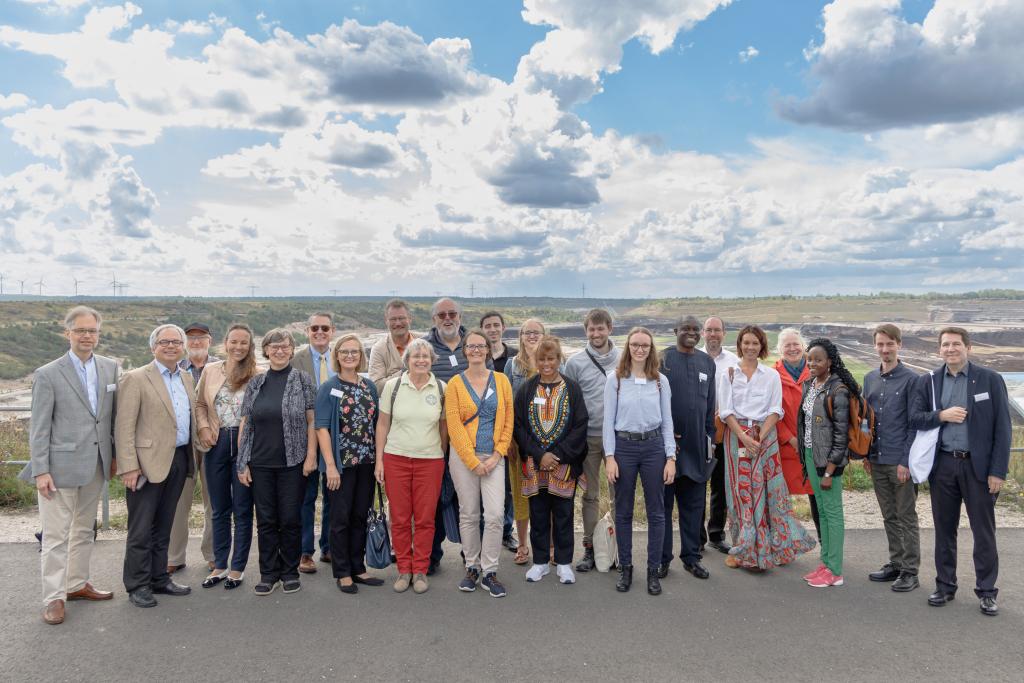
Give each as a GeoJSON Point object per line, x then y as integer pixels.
{"type": "Point", "coordinates": [522, 554]}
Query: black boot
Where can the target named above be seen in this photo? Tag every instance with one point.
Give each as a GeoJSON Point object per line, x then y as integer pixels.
{"type": "Point", "coordinates": [625, 578]}
{"type": "Point", "coordinates": [587, 563]}
{"type": "Point", "coordinates": [653, 584]}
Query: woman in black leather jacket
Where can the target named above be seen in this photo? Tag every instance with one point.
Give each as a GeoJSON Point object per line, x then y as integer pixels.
{"type": "Point", "coordinates": [822, 429]}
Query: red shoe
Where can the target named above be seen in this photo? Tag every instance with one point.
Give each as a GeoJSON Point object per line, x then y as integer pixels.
{"type": "Point", "coordinates": [809, 576]}
{"type": "Point", "coordinates": [825, 579]}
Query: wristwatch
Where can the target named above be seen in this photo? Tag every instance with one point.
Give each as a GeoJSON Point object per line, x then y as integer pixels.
{"type": "Point", "coordinates": [827, 475]}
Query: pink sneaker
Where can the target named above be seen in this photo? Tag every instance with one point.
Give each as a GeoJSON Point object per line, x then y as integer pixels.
{"type": "Point", "coordinates": [825, 579]}
{"type": "Point", "coordinates": [810, 575]}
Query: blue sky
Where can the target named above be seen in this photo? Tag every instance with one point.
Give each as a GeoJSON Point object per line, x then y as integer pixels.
{"type": "Point", "coordinates": [643, 148]}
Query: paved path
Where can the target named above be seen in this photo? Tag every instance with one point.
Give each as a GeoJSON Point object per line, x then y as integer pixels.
{"type": "Point", "coordinates": [734, 627]}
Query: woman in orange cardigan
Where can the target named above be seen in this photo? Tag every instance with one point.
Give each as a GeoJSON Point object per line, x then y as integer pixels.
{"type": "Point", "coordinates": [478, 406]}
{"type": "Point", "coordinates": [792, 368]}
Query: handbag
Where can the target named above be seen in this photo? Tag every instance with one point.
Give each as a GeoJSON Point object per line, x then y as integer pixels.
{"type": "Point", "coordinates": [606, 548]}
{"type": "Point", "coordinates": [378, 541]}
{"type": "Point", "coordinates": [922, 451]}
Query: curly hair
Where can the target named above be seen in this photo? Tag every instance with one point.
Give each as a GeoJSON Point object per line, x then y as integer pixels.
{"type": "Point", "coordinates": [836, 364]}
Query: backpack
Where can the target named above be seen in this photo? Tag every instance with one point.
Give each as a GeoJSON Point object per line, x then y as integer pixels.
{"type": "Point", "coordinates": [861, 431]}
{"type": "Point", "coordinates": [606, 548]}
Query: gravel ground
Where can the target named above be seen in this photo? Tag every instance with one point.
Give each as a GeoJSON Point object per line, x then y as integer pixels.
{"type": "Point", "coordinates": [860, 508]}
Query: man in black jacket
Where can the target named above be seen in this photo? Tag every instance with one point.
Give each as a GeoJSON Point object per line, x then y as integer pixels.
{"type": "Point", "coordinates": [970, 406]}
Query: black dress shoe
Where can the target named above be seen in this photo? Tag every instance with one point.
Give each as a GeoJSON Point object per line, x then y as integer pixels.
{"type": "Point", "coordinates": [171, 588]}
{"type": "Point", "coordinates": [720, 545]}
{"type": "Point", "coordinates": [231, 584]}
{"type": "Point", "coordinates": [368, 580]}
{"type": "Point", "coordinates": [142, 597]}
{"type": "Point", "coordinates": [697, 569]}
{"type": "Point", "coordinates": [625, 578]}
{"type": "Point", "coordinates": [887, 573]}
{"type": "Point", "coordinates": [989, 607]}
{"type": "Point", "coordinates": [350, 588]}
{"type": "Point", "coordinates": [663, 570]}
{"type": "Point", "coordinates": [940, 598]}
{"type": "Point", "coordinates": [653, 584]}
{"type": "Point", "coordinates": [214, 579]}
{"type": "Point", "coordinates": [906, 583]}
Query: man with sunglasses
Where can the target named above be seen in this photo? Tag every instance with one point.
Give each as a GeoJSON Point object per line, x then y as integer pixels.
{"type": "Point", "coordinates": [315, 360]}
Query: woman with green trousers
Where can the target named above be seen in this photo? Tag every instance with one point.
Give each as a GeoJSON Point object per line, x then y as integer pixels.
{"type": "Point", "coordinates": [822, 426]}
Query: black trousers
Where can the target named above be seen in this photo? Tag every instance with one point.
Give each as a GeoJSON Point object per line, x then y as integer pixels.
{"type": "Point", "coordinates": [690, 497]}
{"type": "Point", "coordinates": [716, 524]}
{"type": "Point", "coordinates": [278, 493]}
{"type": "Point", "coordinates": [349, 505]}
{"type": "Point", "coordinates": [545, 509]}
{"type": "Point", "coordinates": [951, 482]}
{"type": "Point", "coordinates": [150, 518]}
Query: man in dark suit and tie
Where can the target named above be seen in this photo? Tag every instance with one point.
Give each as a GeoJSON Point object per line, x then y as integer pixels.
{"type": "Point", "coordinates": [971, 461]}
{"type": "Point", "coordinates": [154, 432]}
{"type": "Point", "coordinates": [71, 446]}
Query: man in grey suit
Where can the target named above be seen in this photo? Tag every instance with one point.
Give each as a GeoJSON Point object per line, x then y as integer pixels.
{"type": "Point", "coordinates": [315, 360]}
{"type": "Point", "coordinates": [71, 445]}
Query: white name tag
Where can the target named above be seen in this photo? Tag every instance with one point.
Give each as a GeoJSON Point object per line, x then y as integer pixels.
{"type": "Point", "coordinates": [489, 393]}
{"type": "Point", "coordinates": [640, 380]}
{"type": "Point", "coordinates": [337, 393]}
{"type": "Point", "coordinates": [539, 401]}
{"type": "Point", "coordinates": [453, 360]}
{"type": "Point", "coordinates": [981, 397]}
{"type": "Point", "coordinates": [111, 387]}
{"type": "Point", "coordinates": [703, 376]}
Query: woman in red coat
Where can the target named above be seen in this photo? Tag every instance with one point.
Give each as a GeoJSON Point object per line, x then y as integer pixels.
{"type": "Point", "coordinates": [792, 368]}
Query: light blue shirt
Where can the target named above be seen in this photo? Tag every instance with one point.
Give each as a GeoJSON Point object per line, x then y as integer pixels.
{"type": "Point", "coordinates": [316, 355]}
{"type": "Point", "coordinates": [632, 407]}
{"type": "Point", "coordinates": [179, 399]}
{"type": "Point", "coordinates": [87, 375]}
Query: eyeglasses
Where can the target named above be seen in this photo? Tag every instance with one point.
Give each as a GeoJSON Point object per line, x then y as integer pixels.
{"type": "Point", "coordinates": [274, 348]}
{"type": "Point", "coordinates": [172, 343]}
{"type": "Point", "coordinates": [475, 347]}
{"type": "Point", "coordinates": [640, 347]}
{"type": "Point", "coordinates": [320, 328]}
{"type": "Point", "coordinates": [345, 353]}
{"type": "Point", "coordinates": [532, 333]}
{"type": "Point", "coordinates": [83, 331]}
{"type": "Point", "coordinates": [398, 319]}
{"type": "Point", "coordinates": [451, 315]}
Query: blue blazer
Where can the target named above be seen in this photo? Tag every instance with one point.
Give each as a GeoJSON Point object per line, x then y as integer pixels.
{"type": "Point", "coordinates": [988, 417]}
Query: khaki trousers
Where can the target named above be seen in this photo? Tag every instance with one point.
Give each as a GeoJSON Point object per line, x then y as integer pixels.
{"type": "Point", "coordinates": [591, 497]}
{"type": "Point", "coordinates": [179, 532]}
{"type": "Point", "coordinates": [68, 520]}
{"type": "Point", "coordinates": [473, 491]}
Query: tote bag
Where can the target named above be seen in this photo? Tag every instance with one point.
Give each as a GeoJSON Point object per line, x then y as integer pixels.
{"type": "Point", "coordinates": [378, 541]}
{"type": "Point", "coordinates": [922, 451]}
{"type": "Point", "coordinates": [606, 548]}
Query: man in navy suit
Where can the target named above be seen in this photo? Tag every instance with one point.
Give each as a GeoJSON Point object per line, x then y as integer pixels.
{"type": "Point", "coordinates": [971, 461]}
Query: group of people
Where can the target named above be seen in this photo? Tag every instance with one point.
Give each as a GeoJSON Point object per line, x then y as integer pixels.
{"type": "Point", "coordinates": [487, 444]}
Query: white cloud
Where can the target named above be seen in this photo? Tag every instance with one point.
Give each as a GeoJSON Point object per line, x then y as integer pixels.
{"type": "Point", "coordinates": [876, 70]}
{"type": "Point", "coordinates": [748, 53]}
{"type": "Point", "coordinates": [15, 100]}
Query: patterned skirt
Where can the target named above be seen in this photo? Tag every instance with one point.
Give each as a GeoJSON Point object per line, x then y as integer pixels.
{"type": "Point", "coordinates": [765, 532]}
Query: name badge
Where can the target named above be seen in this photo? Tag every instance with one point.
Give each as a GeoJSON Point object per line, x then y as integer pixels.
{"type": "Point", "coordinates": [490, 392]}
{"type": "Point", "coordinates": [453, 360]}
{"type": "Point", "coordinates": [539, 401]}
{"type": "Point", "coordinates": [640, 380]}
{"type": "Point", "coordinates": [111, 387]}
{"type": "Point", "coordinates": [703, 376]}
{"type": "Point", "coordinates": [981, 397]}
{"type": "Point", "coordinates": [337, 393]}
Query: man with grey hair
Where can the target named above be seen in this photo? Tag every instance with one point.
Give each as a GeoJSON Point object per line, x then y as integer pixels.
{"type": "Point", "coordinates": [71, 447]}
{"type": "Point", "coordinates": [714, 534]}
{"type": "Point", "coordinates": [386, 354]}
{"type": "Point", "coordinates": [153, 433]}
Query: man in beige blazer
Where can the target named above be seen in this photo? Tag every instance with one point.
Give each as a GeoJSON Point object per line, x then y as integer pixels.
{"type": "Point", "coordinates": [71, 446]}
{"type": "Point", "coordinates": [154, 432]}
{"type": "Point", "coordinates": [386, 354]}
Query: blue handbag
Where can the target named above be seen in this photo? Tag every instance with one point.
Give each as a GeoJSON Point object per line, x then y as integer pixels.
{"type": "Point", "coordinates": [378, 541]}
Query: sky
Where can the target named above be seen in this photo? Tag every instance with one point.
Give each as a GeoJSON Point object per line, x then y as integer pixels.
{"type": "Point", "coordinates": [612, 148]}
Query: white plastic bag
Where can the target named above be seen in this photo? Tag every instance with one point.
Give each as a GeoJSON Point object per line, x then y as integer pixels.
{"type": "Point", "coordinates": [606, 548]}
{"type": "Point", "coordinates": [922, 451]}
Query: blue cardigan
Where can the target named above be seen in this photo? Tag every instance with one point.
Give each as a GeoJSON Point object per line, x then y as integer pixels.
{"type": "Point", "coordinates": [326, 415]}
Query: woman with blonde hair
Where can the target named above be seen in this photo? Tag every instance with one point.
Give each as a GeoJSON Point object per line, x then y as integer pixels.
{"type": "Point", "coordinates": [639, 441]}
{"type": "Point", "coordinates": [346, 425]}
{"type": "Point", "coordinates": [218, 414]}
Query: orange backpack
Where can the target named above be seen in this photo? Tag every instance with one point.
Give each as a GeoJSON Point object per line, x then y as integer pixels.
{"type": "Point", "coordinates": [861, 430]}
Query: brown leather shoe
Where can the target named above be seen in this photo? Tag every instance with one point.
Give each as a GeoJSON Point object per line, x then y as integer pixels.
{"type": "Point", "coordinates": [307, 565]}
{"type": "Point", "coordinates": [89, 592]}
{"type": "Point", "coordinates": [54, 613]}
{"type": "Point", "coordinates": [171, 568]}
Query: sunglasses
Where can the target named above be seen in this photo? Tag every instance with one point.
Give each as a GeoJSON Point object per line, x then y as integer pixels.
{"type": "Point", "coordinates": [320, 328]}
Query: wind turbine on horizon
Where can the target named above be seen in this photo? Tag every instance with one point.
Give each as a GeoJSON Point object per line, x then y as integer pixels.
{"type": "Point", "coordinates": [40, 284]}
{"type": "Point", "coordinates": [114, 283]}
{"type": "Point", "coordinates": [77, 282]}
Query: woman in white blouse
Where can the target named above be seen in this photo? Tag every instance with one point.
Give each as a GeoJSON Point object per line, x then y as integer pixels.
{"type": "Point", "coordinates": [764, 531]}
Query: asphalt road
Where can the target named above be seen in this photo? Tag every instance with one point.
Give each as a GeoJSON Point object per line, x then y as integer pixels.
{"type": "Point", "coordinates": [735, 626]}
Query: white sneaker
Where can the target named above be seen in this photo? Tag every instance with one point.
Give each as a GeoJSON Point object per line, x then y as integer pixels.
{"type": "Point", "coordinates": [565, 574]}
{"type": "Point", "coordinates": [537, 572]}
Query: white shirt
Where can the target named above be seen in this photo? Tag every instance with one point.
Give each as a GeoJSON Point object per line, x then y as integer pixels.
{"type": "Point", "coordinates": [723, 360]}
{"type": "Point", "coordinates": [752, 399]}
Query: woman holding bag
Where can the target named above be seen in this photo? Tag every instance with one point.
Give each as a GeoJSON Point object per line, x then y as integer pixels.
{"type": "Point", "coordinates": [346, 423]}
{"type": "Point", "coordinates": [822, 427]}
{"type": "Point", "coordinates": [478, 407]}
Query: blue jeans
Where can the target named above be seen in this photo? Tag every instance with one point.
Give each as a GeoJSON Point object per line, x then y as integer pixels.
{"type": "Point", "coordinates": [316, 482]}
{"type": "Point", "coordinates": [645, 459]}
{"type": "Point", "coordinates": [229, 499]}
